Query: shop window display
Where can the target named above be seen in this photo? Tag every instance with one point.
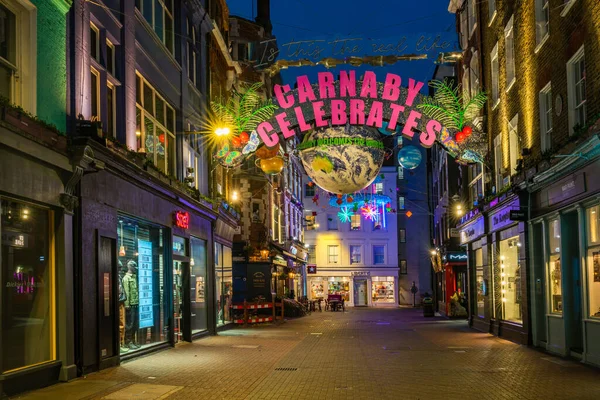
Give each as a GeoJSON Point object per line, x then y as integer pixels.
{"type": "Point", "coordinates": [198, 285]}
{"type": "Point", "coordinates": [339, 285]}
{"type": "Point", "coordinates": [593, 261]}
{"type": "Point", "coordinates": [317, 288]}
{"type": "Point", "coordinates": [26, 289]}
{"type": "Point", "coordinates": [510, 280]}
{"type": "Point", "coordinates": [224, 282]}
{"type": "Point", "coordinates": [480, 283]}
{"type": "Point", "coordinates": [382, 289]}
{"type": "Point", "coordinates": [554, 273]}
{"type": "Point", "coordinates": [142, 306]}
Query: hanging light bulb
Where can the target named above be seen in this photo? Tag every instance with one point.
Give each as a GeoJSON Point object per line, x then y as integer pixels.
{"type": "Point", "coordinates": [122, 248]}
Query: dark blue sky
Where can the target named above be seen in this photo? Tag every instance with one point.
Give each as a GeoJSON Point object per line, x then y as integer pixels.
{"type": "Point", "coordinates": [373, 20]}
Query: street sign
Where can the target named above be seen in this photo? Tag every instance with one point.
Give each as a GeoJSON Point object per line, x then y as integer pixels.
{"type": "Point", "coordinates": [311, 269]}
{"type": "Point", "coordinates": [454, 232]}
{"type": "Point", "coordinates": [518, 215]}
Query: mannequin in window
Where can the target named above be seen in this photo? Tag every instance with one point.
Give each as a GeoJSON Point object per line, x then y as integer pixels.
{"type": "Point", "coordinates": [122, 298]}
{"type": "Point", "coordinates": [132, 312]}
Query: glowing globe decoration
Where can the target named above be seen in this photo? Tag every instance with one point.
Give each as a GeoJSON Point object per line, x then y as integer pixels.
{"type": "Point", "coordinates": [383, 130]}
{"type": "Point", "coordinates": [347, 167]}
{"type": "Point", "coordinates": [409, 157]}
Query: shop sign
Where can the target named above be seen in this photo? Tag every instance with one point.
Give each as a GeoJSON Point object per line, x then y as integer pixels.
{"type": "Point", "coordinates": [181, 219]}
{"type": "Point", "coordinates": [15, 239]}
{"type": "Point", "coordinates": [472, 231]}
{"type": "Point", "coordinates": [258, 280]}
{"type": "Point", "coordinates": [457, 257]}
{"type": "Point", "coordinates": [311, 269]}
{"type": "Point", "coordinates": [501, 218]}
{"type": "Point", "coordinates": [566, 189]}
{"type": "Point", "coordinates": [280, 261]}
{"type": "Point", "coordinates": [454, 233]}
{"type": "Point", "coordinates": [293, 250]}
{"type": "Point", "coordinates": [518, 215]}
{"type": "Point", "coordinates": [145, 285]}
{"type": "Point", "coordinates": [361, 273]}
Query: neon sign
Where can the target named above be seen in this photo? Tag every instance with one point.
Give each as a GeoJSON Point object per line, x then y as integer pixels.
{"type": "Point", "coordinates": [181, 219]}
{"type": "Point", "coordinates": [349, 101]}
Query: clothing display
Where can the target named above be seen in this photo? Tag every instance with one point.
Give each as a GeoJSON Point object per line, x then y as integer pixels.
{"type": "Point", "coordinates": [131, 303]}
{"type": "Point", "coordinates": [130, 284]}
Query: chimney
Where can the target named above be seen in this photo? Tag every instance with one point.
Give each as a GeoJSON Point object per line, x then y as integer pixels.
{"type": "Point", "coordinates": [263, 15]}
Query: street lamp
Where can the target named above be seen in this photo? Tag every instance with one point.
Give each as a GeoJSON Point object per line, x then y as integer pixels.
{"type": "Point", "coordinates": [222, 131]}
{"type": "Point", "coordinates": [433, 252]}
{"type": "Point", "coordinates": [234, 196]}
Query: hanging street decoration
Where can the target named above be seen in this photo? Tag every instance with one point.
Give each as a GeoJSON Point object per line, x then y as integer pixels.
{"type": "Point", "coordinates": [345, 215]}
{"type": "Point", "coordinates": [409, 157]}
{"type": "Point", "coordinates": [370, 212]}
{"type": "Point", "coordinates": [360, 199]}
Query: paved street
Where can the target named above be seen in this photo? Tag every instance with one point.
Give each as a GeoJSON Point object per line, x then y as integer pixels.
{"type": "Point", "coordinates": [359, 354]}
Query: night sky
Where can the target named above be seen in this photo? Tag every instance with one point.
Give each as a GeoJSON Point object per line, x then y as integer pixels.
{"type": "Point", "coordinates": [375, 21]}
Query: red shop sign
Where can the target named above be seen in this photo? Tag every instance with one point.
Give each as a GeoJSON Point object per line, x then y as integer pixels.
{"type": "Point", "coordinates": [181, 219]}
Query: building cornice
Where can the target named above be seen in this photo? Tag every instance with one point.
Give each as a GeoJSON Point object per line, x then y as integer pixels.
{"type": "Point", "coordinates": [225, 50]}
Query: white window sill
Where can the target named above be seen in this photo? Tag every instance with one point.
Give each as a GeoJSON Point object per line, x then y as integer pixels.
{"type": "Point", "coordinates": [511, 84]}
{"type": "Point", "coordinates": [493, 18]}
{"type": "Point", "coordinates": [567, 8]}
{"type": "Point", "coordinates": [539, 46]}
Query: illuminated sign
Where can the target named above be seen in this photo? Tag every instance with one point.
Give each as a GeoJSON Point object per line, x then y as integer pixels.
{"type": "Point", "coordinates": [14, 239]}
{"type": "Point", "coordinates": [181, 219]}
{"type": "Point", "coordinates": [472, 231]}
{"type": "Point", "coordinates": [311, 269]}
{"type": "Point", "coordinates": [453, 257]}
{"type": "Point", "coordinates": [145, 285]}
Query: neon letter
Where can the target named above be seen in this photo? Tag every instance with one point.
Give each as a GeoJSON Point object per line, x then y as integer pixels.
{"type": "Point", "coordinates": [283, 101]}
{"type": "Point", "coordinates": [305, 91]}
{"type": "Point", "coordinates": [319, 114]}
{"type": "Point", "coordinates": [375, 115]}
{"type": "Point", "coordinates": [284, 125]}
{"type": "Point", "coordinates": [391, 89]}
{"type": "Point", "coordinates": [412, 91]}
{"type": "Point", "coordinates": [265, 131]}
{"type": "Point", "coordinates": [338, 112]}
{"type": "Point", "coordinates": [326, 88]}
{"type": "Point", "coordinates": [347, 84]}
{"type": "Point", "coordinates": [369, 85]}
{"type": "Point", "coordinates": [357, 112]}
{"type": "Point", "coordinates": [396, 110]}
{"type": "Point", "coordinates": [411, 122]}
{"type": "Point", "coordinates": [428, 138]}
{"type": "Point", "coordinates": [301, 121]}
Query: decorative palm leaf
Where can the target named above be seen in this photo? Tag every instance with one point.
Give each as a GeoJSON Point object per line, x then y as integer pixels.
{"type": "Point", "coordinates": [449, 108]}
{"type": "Point", "coordinates": [245, 109]}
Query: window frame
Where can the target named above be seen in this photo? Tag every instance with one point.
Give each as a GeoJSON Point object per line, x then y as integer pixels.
{"type": "Point", "coordinates": [542, 15]}
{"type": "Point", "coordinates": [509, 58]}
{"type": "Point", "coordinates": [166, 41]}
{"type": "Point", "coordinates": [353, 225]}
{"type": "Point", "coordinates": [498, 162]}
{"type": "Point", "coordinates": [307, 187]}
{"type": "Point", "coordinates": [472, 17]}
{"type": "Point", "coordinates": [402, 235]}
{"type": "Point", "coordinates": [110, 63]}
{"type": "Point", "coordinates": [360, 248]}
{"type": "Point", "coordinates": [495, 71]}
{"type": "Point", "coordinates": [382, 246]}
{"type": "Point", "coordinates": [332, 222]}
{"type": "Point", "coordinates": [96, 44]}
{"type": "Point", "coordinates": [403, 266]}
{"type": "Point", "coordinates": [514, 142]}
{"type": "Point", "coordinates": [492, 11]}
{"type": "Point", "coordinates": [546, 110]}
{"type": "Point", "coordinates": [330, 256]}
{"type": "Point", "coordinates": [98, 115]}
{"type": "Point", "coordinates": [572, 64]}
{"type": "Point", "coordinates": [111, 109]}
{"type": "Point", "coordinates": [401, 202]}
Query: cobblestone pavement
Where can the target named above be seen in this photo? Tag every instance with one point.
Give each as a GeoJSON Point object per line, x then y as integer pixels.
{"type": "Point", "coordinates": [359, 354]}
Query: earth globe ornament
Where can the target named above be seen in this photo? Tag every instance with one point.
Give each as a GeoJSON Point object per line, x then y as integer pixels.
{"type": "Point", "coordinates": [409, 157]}
{"type": "Point", "coordinates": [344, 159]}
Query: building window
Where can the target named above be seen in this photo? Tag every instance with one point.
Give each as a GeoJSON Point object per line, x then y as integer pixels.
{"type": "Point", "coordinates": [8, 52]}
{"type": "Point", "coordinates": [332, 222]}
{"type": "Point", "coordinates": [403, 267]}
{"type": "Point", "coordinates": [333, 254]}
{"type": "Point", "coordinates": [495, 76]}
{"type": "Point", "coordinates": [355, 222]}
{"type": "Point", "coordinates": [491, 9]}
{"type": "Point", "coordinates": [111, 110]}
{"type": "Point", "coordinates": [513, 135]}
{"type": "Point", "coordinates": [542, 20]}
{"type": "Point", "coordinates": [378, 188]}
{"type": "Point", "coordinates": [309, 190]}
{"type": "Point", "coordinates": [94, 42]}
{"type": "Point", "coordinates": [509, 50]}
{"type": "Point", "coordinates": [382, 289]}
{"type": "Point", "coordinates": [401, 205]}
{"type": "Point", "coordinates": [378, 255]}
{"type": "Point", "coordinates": [546, 117]}
{"type": "Point", "coordinates": [355, 255]}
{"type": "Point", "coordinates": [402, 235]}
{"type": "Point", "coordinates": [498, 165]}
{"type": "Point", "coordinates": [159, 14]}
{"type": "Point", "coordinates": [276, 224]}
{"type": "Point", "coordinates": [310, 222]}
{"type": "Point", "coordinates": [475, 176]}
{"type": "Point", "coordinates": [464, 29]}
{"type": "Point", "coordinates": [593, 262]}
{"type": "Point", "coordinates": [400, 172]}
{"type": "Point", "coordinates": [480, 283]}
{"type": "Point", "coordinates": [26, 285]}
{"type": "Point", "coordinates": [312, 254]}
{"type": "Point", "coordinates": [157, 120]}
{"type": "Point", "coordinates": [472, 16]}
{"type": "Point", "coordinates": [554, 273]}
{"type": "Point", "coordinates": [110, 57]}
{"type": "Point", "coordinates": [193, 53]}
{"type": "Point", "coordinates": [576, 90]}
{"type": "Point", "coordinates": [510, 280]}
{"type": "Point", "coordinates": [474, 74]}
{"type": "Point", "coordinates": [95, 95]}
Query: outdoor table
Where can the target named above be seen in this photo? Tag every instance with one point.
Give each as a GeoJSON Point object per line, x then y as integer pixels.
{"type": "Point", "coordinates": [334, 304]}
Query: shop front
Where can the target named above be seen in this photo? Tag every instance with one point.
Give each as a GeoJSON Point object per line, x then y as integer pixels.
{"type": "Point", "coordinates": [452, 283]}
{"type": "Point", "coordinates": [143, 275]}
{"type": "Point", "coordinates": [498, 271]}
{"type": "Point", "coordinates": [36, 265]}
{"type": "Point", "coordinates": [358, 288]}
{"type": "Point", "coordinates": [565, 247]}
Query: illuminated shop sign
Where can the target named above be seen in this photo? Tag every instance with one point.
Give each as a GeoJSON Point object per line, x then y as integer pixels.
{"type": "Point", "coordinates": [501, 218]}
{"type": "Point", "coordinates": [181, 219]}
{"type": "Point", "coordinates": [472, 231]}
{"type": "Point", "coordinates": [455, 257]}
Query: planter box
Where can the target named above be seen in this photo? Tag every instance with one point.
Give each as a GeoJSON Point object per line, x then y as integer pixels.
{"type": "Point", "coordinates": [33, 128]}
